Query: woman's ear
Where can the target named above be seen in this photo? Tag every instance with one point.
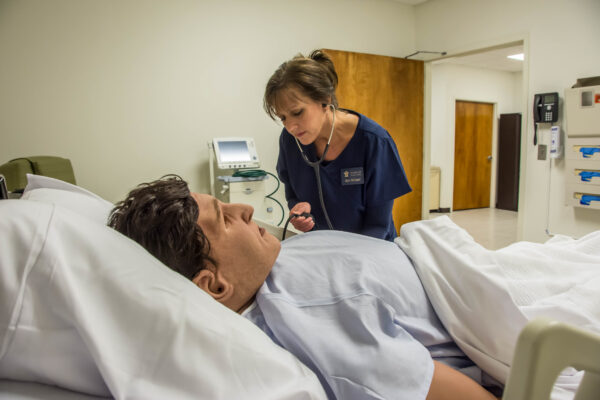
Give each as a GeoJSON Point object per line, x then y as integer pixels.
{"type": "Point", "coordinates": [214, 284]}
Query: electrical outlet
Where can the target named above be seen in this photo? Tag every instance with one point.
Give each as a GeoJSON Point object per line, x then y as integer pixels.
{"type": "Point", "coordinates": [542, 150]}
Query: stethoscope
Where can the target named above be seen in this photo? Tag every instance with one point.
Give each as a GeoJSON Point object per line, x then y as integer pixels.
{"type": "Point", "coordinates": [316, 164]}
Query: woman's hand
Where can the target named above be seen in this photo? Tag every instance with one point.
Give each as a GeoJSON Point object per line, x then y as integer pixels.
{"type": "Point", "coordinates": [303, 224]}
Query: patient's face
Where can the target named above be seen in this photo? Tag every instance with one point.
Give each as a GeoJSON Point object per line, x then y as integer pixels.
{"type": "Point", "coordinates": [243, 252]}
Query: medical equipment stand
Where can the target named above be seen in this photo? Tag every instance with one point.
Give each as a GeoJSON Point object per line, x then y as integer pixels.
{"type": "Point", "coordinates": [239, 189]}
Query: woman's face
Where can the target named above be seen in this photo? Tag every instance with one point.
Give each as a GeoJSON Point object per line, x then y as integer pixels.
{"type": "Point", "coordinates": [302, 117]}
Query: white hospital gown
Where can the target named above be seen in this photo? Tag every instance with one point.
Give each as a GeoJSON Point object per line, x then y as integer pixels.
{"type": "Point", "coordinates": [353, 310]}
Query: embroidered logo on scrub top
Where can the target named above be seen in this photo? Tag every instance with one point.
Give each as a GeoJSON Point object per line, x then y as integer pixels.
{"type": "Point", "coordinates": [353, 176]}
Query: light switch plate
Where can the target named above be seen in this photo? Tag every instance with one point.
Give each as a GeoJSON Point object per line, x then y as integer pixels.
{"type": "Point", "coordinates": [542, 150]}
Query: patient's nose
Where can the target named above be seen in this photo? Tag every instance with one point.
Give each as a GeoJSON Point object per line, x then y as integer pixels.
{"type": "Point", "coordinates": [243, 211]}
{"type": "Point", "coordinates": [248, 212]}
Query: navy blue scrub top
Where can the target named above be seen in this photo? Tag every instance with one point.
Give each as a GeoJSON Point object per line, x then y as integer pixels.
{"type": "Point", "coordinates": [359, 186]}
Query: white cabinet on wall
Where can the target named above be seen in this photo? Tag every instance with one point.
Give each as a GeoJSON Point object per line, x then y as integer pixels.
{"type": "Point", "coordinates": [582, 150]}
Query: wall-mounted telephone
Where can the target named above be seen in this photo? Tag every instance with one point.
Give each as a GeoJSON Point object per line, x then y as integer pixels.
{"type": "Point", "coordinates": [545, 107]}
{"type": "Point", "coordinates": [545, 110]}
{"type": "Point", "coordinates": [3, 190]}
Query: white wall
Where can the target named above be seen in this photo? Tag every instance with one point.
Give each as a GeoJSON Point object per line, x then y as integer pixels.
{"type": "Point", "coordinates": [561, 42]}
{"type": "Point", "coordinates": [450, 83]}
{"type": "Point", "coordinates": [130, 90]}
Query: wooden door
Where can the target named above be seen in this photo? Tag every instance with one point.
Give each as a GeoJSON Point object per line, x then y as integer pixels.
{"type": "Point", "coordinates": [472, 155]}
{"type": "Point", "coordinates": [389, 90]}
{"type": "Point", "coordinates": [509, 160]}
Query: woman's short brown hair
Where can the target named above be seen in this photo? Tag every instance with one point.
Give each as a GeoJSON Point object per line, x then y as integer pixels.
{"type": "Point", "coordinates": [314, 76]}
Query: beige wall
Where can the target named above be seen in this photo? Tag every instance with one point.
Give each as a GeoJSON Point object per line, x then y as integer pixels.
{"type": "Point", "coordinates": [561, 42]}
{"type": "Point", "coordinates": [130, 90]}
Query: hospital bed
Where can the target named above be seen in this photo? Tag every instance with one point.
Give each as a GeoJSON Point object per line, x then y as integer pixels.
{"type": "Point", "coordinates": [85, 313]}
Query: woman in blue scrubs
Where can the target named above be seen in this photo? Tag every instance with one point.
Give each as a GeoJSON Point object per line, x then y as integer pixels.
{"type": "Point", "coordinates": [337, 165]}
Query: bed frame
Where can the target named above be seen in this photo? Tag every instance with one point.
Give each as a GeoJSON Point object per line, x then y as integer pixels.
{"type": "Point", "coordinates": [544, 348]}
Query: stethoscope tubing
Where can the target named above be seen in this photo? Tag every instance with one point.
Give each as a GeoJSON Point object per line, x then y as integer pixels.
{"type": "Point", "coordinates": [316, 164]}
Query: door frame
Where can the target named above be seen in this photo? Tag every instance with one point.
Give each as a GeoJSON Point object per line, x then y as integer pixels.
{"type": "Point", "coordinates": [482, 47]}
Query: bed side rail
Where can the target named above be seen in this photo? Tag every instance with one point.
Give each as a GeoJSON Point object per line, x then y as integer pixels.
{"type": "Point", "coordinates": [545, 347]}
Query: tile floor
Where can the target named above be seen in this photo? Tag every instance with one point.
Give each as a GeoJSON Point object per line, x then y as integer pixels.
{"type": "Point", "coordinates": [491, 227]}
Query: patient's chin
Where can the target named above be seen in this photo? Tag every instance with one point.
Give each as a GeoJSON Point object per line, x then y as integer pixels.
{"type": "Point", "coordinates": [276, 252]}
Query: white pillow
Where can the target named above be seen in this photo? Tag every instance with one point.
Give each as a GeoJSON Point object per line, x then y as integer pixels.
{"type": "Point", "coordinates": [75, 198]}
{"type": "Point", "coordinates": [87, 309]}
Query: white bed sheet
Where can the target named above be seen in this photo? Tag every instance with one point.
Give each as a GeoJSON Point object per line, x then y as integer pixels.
{"type": "Point", "coordinates": [485, 297]}
{"type": "Point", "coordinates": [14, 390]}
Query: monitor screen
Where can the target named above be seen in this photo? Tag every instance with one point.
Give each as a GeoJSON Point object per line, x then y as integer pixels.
{"type": "Point", "coordinates": [234, 151]}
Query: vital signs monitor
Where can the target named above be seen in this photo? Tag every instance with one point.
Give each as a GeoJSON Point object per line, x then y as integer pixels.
{"type": "Point", "coordinates": [235, 152]}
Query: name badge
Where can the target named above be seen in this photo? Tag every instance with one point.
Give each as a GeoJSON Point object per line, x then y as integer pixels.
{"type": "Point", "coordinates": [353, 176]}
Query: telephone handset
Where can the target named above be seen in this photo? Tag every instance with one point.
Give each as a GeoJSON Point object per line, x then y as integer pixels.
{"type": "Point", "coordinates": [545, 110]}
{"type": "Point", "coordinates": [545, 107]}
{"type": "Point", "coordinates": [3, 190]}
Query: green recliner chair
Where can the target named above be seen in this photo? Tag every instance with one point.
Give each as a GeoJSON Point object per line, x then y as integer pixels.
{"type": "Point", "coordinates": [15, 171]}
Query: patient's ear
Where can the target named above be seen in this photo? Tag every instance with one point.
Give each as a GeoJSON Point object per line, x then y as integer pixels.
{"type": "Point", "coordinates": [214, 284]}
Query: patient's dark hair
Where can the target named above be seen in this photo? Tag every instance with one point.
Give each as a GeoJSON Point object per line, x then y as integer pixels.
{"type": "Point", "coordinates": [162, 216]}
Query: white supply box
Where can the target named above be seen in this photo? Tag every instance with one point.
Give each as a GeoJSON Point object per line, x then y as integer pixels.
{"type": "Point", "coordinates": [582, 149]}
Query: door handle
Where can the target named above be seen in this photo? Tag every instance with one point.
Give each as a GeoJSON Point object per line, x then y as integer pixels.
{"type": "Point", "coordinates": [489, 158]}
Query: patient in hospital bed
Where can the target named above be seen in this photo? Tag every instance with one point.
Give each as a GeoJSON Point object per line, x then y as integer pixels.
{"type": "Point", "coordinates": [84, 310]}
{"type": "Point", "coordinates": [358, 317]}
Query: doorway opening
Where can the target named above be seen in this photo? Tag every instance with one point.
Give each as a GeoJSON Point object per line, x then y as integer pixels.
{"type": "Point", "coordinates": [479, 76]}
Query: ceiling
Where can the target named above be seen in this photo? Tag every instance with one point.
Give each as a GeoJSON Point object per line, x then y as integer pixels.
{"type": "Point", "coordinates": [492, 59]}
{"type": "Point", "coordinates": [489, 59]}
